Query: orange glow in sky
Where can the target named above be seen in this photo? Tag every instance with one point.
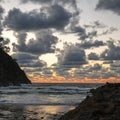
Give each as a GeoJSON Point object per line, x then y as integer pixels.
{"type": "Point", "coordinates": [59, 79]}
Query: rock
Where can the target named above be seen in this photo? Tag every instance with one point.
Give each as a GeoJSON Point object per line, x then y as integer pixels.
{"type": "Point", "coordinates": [104, 104]}
{"type": "Point", "coordinates": [10, 72]}
{"type": "Point", "coordinates": [42, 118]}
{"type": "Point", "coordinates": [35, 113]}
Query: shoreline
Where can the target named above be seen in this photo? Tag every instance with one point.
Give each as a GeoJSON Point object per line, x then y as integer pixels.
{"type": "Point", "coordinates": [103, 104]}
{"type": "Point", "coordinates": [32, 112]}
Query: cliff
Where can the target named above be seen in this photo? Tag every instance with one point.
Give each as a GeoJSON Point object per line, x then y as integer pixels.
{"type": "Point", "coordinates": [103, 104]}
{"type": "Point", "coordinates": [10, 72]}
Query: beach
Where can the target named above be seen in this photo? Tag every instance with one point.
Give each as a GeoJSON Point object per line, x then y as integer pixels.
{"type": "Point", "coordinates": [32, 112]}
{"type": "Point", "coordinates": [41, 101]}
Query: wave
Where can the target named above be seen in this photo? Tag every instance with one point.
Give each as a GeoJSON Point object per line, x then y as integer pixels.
{"type": "Point", "coordinates": [44, 94]}
{"type": "Point", "coordinates": [38, 103]}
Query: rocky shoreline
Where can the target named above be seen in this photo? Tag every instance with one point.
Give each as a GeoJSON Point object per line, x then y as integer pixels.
{"type": "Point", "coordinates": [102, 104]}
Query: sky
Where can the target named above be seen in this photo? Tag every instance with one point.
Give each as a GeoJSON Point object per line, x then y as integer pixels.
{"type": "Point", "coordinates": [63, 41]}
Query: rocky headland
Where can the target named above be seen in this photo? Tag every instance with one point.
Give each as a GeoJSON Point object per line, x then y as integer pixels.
{"type": "Point", "coordinates": [102, 104]}
{"type": "Point", "coordinates": [10, 72]}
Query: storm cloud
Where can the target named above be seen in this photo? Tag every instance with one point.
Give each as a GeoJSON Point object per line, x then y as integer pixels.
{"type": "Point", "coordinates": [1, 18]}
{"type": "Point", "coordinates": [109, 31]}
{"type": "Point", "coordinates": [54, 16]}
{"type": "Point", "coordinates": [72, 2]}
{"type": "Point", "coordinates": [36, 1]}
{"type": "Point", "coordinates": [89, 35]}
{"type": "Point", "coordinates": [112, 53]}
{"type": "Point", "coordinates": [72, 56]}
{"type": "Point", "coordinates": [28, 60]}
{"type": "Point", "coordinates": [90, 44]}
{"type": "Point", "coordinates": [95, 25]}
{"type": "Point", "coordinates": [44, 43]}
{"type": "Point", "coordinates": [93, 56]}
{"type": "Point", "coordinates": [94, 71]}
{"type": "Point", "coordinates": [49, 24]}
{"type": "Point", "coordinates": [112, 5]}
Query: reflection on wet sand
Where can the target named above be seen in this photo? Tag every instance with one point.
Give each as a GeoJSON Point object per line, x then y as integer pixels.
{"type": "Point", "coordinates": [32, 112]}
{"type": "Point", "coordinates": [47, 112]}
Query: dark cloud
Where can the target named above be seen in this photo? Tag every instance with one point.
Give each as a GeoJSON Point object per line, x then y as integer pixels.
{"type": "Point", "coordinates": [90, 44]}
{"type": "Point", "coordinates": [115, 66]}
{"type": "Point", "coordinates": [109, 74]}
{"type": "Point", "coordinates": [1, 18]}
{"type": "Point", "coordinates": [34, 63]}
{"type": "Point", "coordinates": [102, 72]}
{"type": "Point", "coordinates": [89, 35]}
{"type": "Point", "coordinates": [95, 25]}
{"type": "Point", "coordinates": [21, 45]}
{"type": "Point", "coordinates": [89, 71]}
{"type": "Point", "coordinates": [54, 16]}
{"type": "Point", "coordinates": [5, 43]}
{"type": "Point", "coordinates": [47, 72]}
{"type": "Point", "coordinates": [63, 72]}
{"type": "Point", "coordinates": [36, 1]}
{"type": "Point", "coordinates": [63, 2]}
{"type": "Point", "coordinates": [72, 56]}
{"type": "Point", "coordinates": [82, 33]}
{"type": "Point", "coordinates": [93, 56]}
{"type": "Point", "coordinates": [92, 34]}
{"type": "Point", "coordinates": [33, 71]}
{"type": "Point", "coordinates": [109, 31]}
{"type": "Point", "coordinates": [79, 30]}
{"type": "Point", "coordinates": [80, 73]}
{"type": "Point", "coordinates": [96, 67]}
{"type": "Point", "coordinates": [44, 43]}
{"type": "Point", "coordinates": [69, 5]}
{"type": "Point", "coordinates": [113, 5]}
{"type": "Point", "coordinates": [98, 24]}
{"type": "Point", "coordinates": [24, 56]}
{"type": "Point", "coordinates": [97, 71]}
{"type": "Point", "coordinates": [1, 12]}
{"type": "Point", "coordinates": [28, 60]}
{"type": "Point", "coordinates": [27, 53]}
{"type": "Point", "coordinates": [112, 53]}
{"type": "Point", "coordinates": [74, 27]}
{"type": "Point", "coordinates": [95, 28]}
{"type": "Point", "coordinates": [108, 62]}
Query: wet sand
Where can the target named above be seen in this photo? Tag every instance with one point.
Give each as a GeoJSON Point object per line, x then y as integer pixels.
{"type": "Point", "coordinates": [32, 112]}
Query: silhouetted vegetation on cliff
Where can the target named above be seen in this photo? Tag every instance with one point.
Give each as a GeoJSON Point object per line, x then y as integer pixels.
{"type": "Point", "coordinates": [10, 72]}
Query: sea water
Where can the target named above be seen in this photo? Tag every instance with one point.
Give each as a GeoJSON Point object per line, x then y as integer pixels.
{"type": "Point", "coordinates": [50, 98]}
{"type": "Point", "coordinates": [46, 94]}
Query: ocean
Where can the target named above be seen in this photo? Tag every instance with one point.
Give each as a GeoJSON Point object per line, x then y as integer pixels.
{"type": "Point", "coordinates": [52, 100]}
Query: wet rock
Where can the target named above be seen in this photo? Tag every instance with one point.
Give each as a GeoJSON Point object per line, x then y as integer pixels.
{"type": "Point", "coordinates": [103, 104]}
